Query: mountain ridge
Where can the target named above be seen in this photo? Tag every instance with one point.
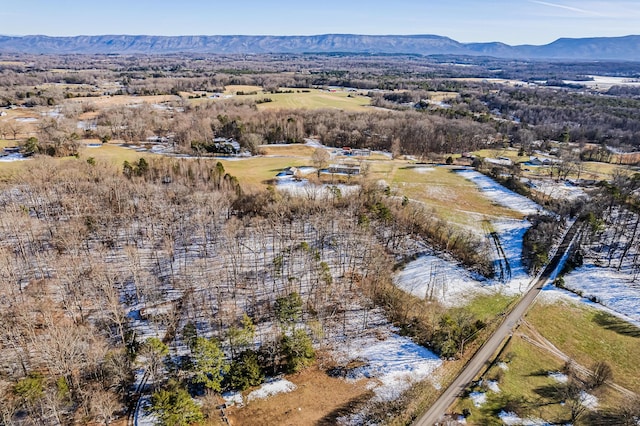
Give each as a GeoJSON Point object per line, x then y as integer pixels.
{"type": "Point", "coordinates": [591, 48]}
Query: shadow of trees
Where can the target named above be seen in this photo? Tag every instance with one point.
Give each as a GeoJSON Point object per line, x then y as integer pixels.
{"type": "Point", "coordinates": [618, 325]}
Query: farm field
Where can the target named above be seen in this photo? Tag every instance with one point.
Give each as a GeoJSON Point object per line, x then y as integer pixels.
{"type": "Point", "coordinates": [530, 376]}
{"type": "Point", "coordinates": [450, 194]}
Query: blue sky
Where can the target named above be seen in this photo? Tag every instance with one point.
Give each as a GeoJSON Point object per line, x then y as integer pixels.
{"type": "Point", "coordinates": [513, 22]}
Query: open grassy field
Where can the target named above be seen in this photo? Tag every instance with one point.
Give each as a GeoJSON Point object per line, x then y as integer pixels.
{"type": "Point", "coordinates": [315, 99]}
{"type": "Point", "coordinates": [301, 98]}
{"type": "Point", "coordinates": [257, 171]}
{"type": "Point", "coordinates": [488, 307]}
{"type": "Point", "coordinates": [233, 89]}
{"type": "Point", "coordinates": [442, 96]}
{"type": "Point", "coordinates": [111, 153]}
{"type": "Point", "coordinates": [510, 153]}
{"type": "Point", "coordinates": [593, 336]}
{"type": "Point", "coordinates": [523, 374]}
{"type": "Point", "coordinates": [599, 171]}
{"type": "Point", "coordinates": [451, 195]}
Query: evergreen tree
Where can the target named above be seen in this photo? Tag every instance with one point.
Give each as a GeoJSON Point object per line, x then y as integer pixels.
{"type": "Point", "coordinates": [208, 364]}
{"type": "Point", "coordinates": [245, 371]}
{"type": "Point", "coordinates": [175, 407]}
{"type": "Point", "coordinates": [298, 351]}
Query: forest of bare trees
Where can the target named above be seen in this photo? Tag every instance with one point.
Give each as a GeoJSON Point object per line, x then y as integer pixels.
{"type": "Point", "coordinates": [96, 262]}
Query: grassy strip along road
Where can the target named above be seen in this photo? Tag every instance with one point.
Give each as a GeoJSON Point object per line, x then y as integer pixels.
{"type": "Point", "coordinates": [483, 357]}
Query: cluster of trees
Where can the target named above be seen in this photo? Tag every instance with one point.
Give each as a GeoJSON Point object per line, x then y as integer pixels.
{"type": "Point", "coordinates": [613, 234]}
{"type": "Point", "coordinates": [569, 116]}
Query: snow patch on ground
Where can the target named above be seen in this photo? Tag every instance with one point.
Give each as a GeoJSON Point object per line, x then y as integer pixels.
{"type": "Point", "coordinates": [13, 157]}
{"type": "Point", "coordinates": [510, 418]}
{"type": "Point", "coordinates": [395, 361]}
{"type": "Point", "coordinates": [233, 398]}
{"type": "Point", "coordinates": [503, 366]}
{"type": "Point", "coordinates": [478, 398]}
{"type": "Point", "coordinates": [142, 416]}
{"type": "Point", "coordinates": [588, 400]}
{"type": "Point", "coordinates": [272, 387]}
{"type": "Point", "coordinates": [559, 377]}
{"type": "Point", "coordinates": [553, 294]}
{"type": "Point", "coordinates": [492, 385]}
{"type": "Point", "coordinates": [423, 170]}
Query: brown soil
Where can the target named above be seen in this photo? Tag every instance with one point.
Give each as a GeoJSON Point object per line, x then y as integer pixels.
{"type": "Point", "coordinates": [318, 400]}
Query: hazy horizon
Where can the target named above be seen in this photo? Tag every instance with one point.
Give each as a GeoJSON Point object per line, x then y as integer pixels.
{"type": "Point", "coordinates": [512, 22]}
{"type": "Point", "coordinates": [302, 35]}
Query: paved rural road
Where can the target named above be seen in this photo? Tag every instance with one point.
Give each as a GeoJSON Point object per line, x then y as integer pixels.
{"type": "Point", "coordinates": [484, 354]}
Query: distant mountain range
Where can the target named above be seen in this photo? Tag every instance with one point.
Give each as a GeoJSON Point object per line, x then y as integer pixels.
{"type": "Point", "coordinates": [604, 48]}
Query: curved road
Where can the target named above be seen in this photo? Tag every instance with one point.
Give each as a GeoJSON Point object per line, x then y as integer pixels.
{"type": "Point", "coordinates": [491, 346]}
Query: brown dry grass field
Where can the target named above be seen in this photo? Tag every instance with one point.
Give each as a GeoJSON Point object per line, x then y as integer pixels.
{"type": "Point", "coordinates": [119, 100]}
{"type": "Point", "coordinates": [318, 400]}
{"type": "Point", "coordinates": [291, 150]}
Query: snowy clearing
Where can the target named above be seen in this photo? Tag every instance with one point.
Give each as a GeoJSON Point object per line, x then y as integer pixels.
{"type": "Point", "coordinates": [302, 188]}
{"type": "Point", "coordinates": [558, 190]}
{"type": "Point", "coordinates": [435, 278]}
{"type": "Point", "coordinates": [614, 289]}
{"type": "Point", "coordinates": [396, 362]}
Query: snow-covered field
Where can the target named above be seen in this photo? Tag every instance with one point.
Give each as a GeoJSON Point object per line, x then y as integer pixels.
{"type": "Point", "coordinates": [501, 195]}
{"type": "Point", "coordinates": [395, 361]}
{"type": "Point", "coordinates": [305, 189]}
{"type": "Point", "coordinates": [434, 277]}
{"type": "Point", "coordinates": [558, 190]}
{"type": "Point", "coordinates": [614, 289]}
